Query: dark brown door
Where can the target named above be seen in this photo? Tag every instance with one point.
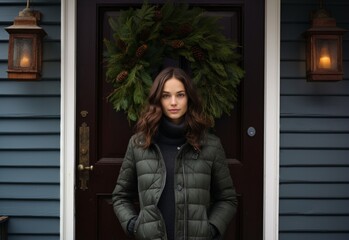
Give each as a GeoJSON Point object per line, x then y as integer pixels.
{"type": "Point", "coordinates": [103, 134]}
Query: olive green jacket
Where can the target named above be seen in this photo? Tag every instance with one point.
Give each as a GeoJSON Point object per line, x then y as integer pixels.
{"type": "Point", "coordinates": [204, 191]}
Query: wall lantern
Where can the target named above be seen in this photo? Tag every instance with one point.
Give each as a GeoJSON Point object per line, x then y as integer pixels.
{"type": "Point", "coordinates": [25, 46]}
{"type": "Point", "coordinates": [324, 48]}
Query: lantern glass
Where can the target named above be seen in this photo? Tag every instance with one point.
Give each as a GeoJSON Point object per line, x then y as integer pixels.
{"type": "Point", "coordinates": [326, 54]}
{"type": "Point", "coordinates": [23, 53]}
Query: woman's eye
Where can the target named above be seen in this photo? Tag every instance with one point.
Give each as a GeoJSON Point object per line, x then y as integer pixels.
{"type": "Point", "coordinates": [165, 96]}
{"type": "Point", "coordinates": [181, 95]}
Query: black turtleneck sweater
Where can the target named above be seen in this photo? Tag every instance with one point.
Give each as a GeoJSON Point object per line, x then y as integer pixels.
{"type": "Point", "coordinates": [170, 138]}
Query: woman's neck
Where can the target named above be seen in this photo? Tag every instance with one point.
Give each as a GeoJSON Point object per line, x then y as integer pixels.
{"type": "Point", "coordinates": [170, 132]}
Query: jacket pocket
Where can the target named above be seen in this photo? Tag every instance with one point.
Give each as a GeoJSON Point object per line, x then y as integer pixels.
{"type": "Point", "coordinates": [135, 230]}
{"type": "Point", "coordinates": [149, 225]}
{"type": "Point", "coordinates": [209, 228]}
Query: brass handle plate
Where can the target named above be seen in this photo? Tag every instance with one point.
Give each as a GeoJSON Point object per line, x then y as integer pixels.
{"type": "Point", "coordinates": [84, 167]}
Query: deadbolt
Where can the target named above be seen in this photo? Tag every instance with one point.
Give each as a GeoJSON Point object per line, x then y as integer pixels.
{"type": "Point", "coordinates": [83, 113]}
{"type": "Point", "coordinates": [251, 131]}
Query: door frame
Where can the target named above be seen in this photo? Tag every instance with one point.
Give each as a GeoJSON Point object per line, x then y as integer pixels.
{"type": "Point", "coordinates": [271, 119]}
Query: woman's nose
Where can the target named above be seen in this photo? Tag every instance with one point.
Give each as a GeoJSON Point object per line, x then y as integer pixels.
{"type": "Point", "coordinates": [173, 100]}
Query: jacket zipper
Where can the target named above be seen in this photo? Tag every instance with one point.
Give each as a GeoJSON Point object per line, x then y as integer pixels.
{"type": "Point", "coordinates": [185, 192]}
{"type": "Point", "coordinates": [185, 202]}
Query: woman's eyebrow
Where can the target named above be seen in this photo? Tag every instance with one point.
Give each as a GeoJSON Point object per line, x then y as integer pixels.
{"type": "Point", "coordinates": [180, 91]}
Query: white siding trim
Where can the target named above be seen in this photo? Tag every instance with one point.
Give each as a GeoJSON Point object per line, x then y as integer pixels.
{"type": "Point", "coordinates": [271, 119]}
{"type": "Point", "coordinates": [67, 161]}
{"type": "Point", "coordinates": [272, 102]}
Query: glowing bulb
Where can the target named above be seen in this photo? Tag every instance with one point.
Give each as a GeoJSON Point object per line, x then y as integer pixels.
{"type": "Point", "coordinates": [325, 60]}
{"type": "Point", "coordinates": [25, 61]}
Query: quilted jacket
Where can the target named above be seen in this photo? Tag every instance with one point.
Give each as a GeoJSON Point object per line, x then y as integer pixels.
{"type": "Point", "coordinates": [204, 191]}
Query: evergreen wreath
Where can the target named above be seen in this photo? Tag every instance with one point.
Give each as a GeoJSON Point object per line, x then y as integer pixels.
{"type": "Point", "coordinates": [143, 37]}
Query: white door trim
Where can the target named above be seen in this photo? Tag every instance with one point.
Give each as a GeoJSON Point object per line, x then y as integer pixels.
{"type": "Point", "coordinates": [271, 118]}
{"type": "Point", "coordinates": [68, 92]}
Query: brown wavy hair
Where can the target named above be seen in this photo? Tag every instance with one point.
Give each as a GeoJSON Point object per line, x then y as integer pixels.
{"type": "Point", "coordinates": [196, 121]}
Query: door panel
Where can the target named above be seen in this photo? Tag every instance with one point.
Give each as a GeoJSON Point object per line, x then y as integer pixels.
{"type": "Point", "coordinates": [110, 131]}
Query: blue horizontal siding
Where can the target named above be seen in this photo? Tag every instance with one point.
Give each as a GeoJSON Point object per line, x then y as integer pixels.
{"type": "Point", "coordinates": [27, 126]}
{"type": "Point", "coordinates": [35, 237]}
{"type": "Point", "coordinates": [52, 51]}
{"type": "Point", "coordinates": [314, 223]}
{"type": "Point", "coordinates": [51, 70]}
{"type": "Point", "coordinates": [30, 132]}
{"type": "Point", "coordinates": [314, 134]}
{"type": "Point", "coordinates": [315, 207]}
{"type": "Point", "coordinates": [314, 157]}
{"type": "Point", "coordinates": [314, 174]}
{"type": "Point", "coordinates": [325, 106]}
{"type": "Point", "coordinates": [314, 140]}
{"type": "Point", "coordinates": [12, 12]}
{"type": "Point", "coordinates": [311, 125]}
{"type": "Point", "coordinates": [314, 3]}
{"type": "Point", "coordinates": [315, 191]}
{"type": "Point", "coordinates": [287, 47]}
{"type": "Point", "coordinates": [33, 228]}
{"type": "Point", "coordinates": [293, 86]}
{"type": "Point", "coordinates": [314, 236]}
{"type": "Point", "coordinates": [294, 31]}
{"type": "Point", "coordinates": [30, 191]}
{"type": "Point", "coordinates": [29, 158]}
{"type": "Point", "coordinates": [29, 175]}
{"type": "Point", "coordinates": [3, 34]}
{"type": "Point", "coordinates": [3, 51]}
{"type": "Point", "coordinates": [30, 208]}
{"type": "Point", "coordinates": [22, 141]}
{"type": "Point", "coordinates": [29, 106]}
{"type": "Point", "coordinates": [36, 88]}
{"type": "Point", "coordinates": [27, 225]}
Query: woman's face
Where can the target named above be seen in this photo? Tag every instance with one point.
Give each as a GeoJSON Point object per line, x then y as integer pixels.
{"type": "Point", "coordinates": [174, 100]}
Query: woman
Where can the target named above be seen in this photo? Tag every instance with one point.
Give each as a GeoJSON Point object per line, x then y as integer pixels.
{"type": "Point", "coordinates": [175, 168]}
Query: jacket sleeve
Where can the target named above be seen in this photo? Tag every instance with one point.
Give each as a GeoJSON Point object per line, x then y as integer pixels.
{"type": "Point", "coordinates": [224, 200]}
{"type": "Point", "coordinates": [125, 191]}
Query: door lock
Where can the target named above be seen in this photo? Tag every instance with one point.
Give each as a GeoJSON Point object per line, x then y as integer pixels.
{"type": "Point", "coordinates": [251, 131]}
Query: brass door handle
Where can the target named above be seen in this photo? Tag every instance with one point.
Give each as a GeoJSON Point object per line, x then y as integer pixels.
{"type": "Point", "coordinates": [82, 167]}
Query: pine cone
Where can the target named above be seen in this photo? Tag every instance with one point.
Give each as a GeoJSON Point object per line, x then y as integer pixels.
{"type": "Point", "coordinates": [141, 50]}
{"type": "Point", "coordinates": [185, 29]}
{"type": "Point", "coordinates": [177, 43]}
{"type": "Point", "coordinates": [122, 76]}
{"type": "Point", "coordinates": [198, 53]}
